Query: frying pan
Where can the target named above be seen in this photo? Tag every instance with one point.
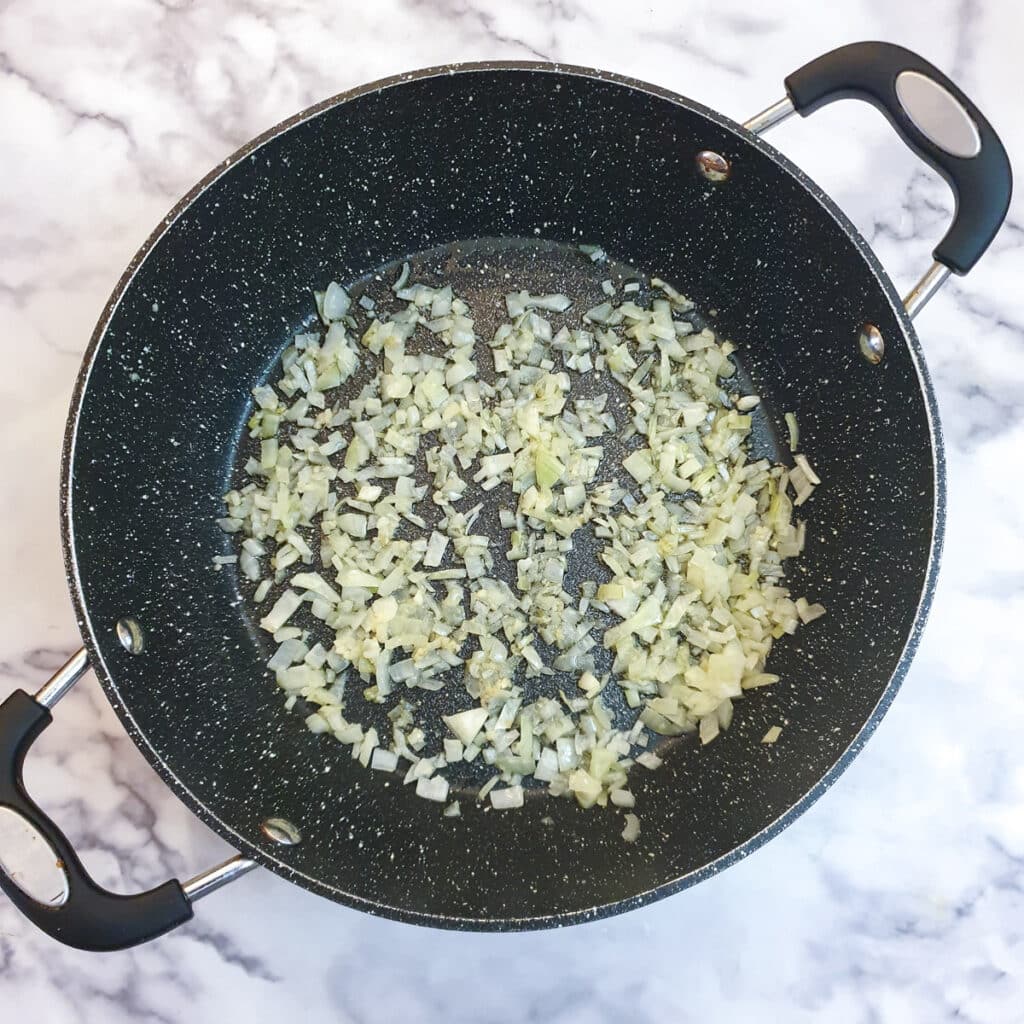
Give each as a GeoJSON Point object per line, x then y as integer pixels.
{"type": "Point", "coordinates": [479, 171]}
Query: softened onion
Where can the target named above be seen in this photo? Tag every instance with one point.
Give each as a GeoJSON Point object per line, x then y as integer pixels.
{"type": "Point", "coordinates": [692, 535]}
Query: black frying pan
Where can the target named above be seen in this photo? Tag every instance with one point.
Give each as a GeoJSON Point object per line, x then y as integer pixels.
{"type": "Point", "coordinates": [500, 168]}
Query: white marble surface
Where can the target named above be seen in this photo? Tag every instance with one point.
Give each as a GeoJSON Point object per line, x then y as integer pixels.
{"type": "Point", "coordinates": [898, 897]}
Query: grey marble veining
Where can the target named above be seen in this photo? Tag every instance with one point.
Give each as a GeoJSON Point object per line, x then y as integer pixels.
{"type": "Point", "coordinates": [898, 897]}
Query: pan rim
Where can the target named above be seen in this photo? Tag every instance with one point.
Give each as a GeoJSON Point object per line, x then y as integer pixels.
{"type": "Point", "coordinates": [265, 857]}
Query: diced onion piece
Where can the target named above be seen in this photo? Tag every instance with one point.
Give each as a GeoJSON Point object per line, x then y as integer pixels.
{"type": "Point", "coordinates": [435, 788]}
{"type": "Point", "coordinates": [316, 723]}
{"type": "Point", "coordinates": [316, 584]}
{"type": "Point", "coordinates": [466, 724]}
{"type": "Point", "coordinates": [434, 554]}
{"type": "Point", "coordinates": [801, 461]}
{"type": "Point", "coordinates": [708, 728]}
{"type": "Point", "coordinates": [486, 788]}
{"type": "Point", "coordinates": [676, 297]}
{"type": "Point", "coordinates": [772, 734]}
{"type": "Point", "coordinates": [639, 466]}
{"type": "Point", "coordinates": [632, 830]}
{"type": "Point", "coordinates": [518, 302]}
{"type": "Point", "coordinates": [507, 798]}
{"type": "Point", "coordinates": [336, 302]}
{"type": "Point", "coordinates": [287, 654]}
{"type": "Point", "coordinates": [353, 524]}
{"type": "Point", "coordinates": [285, 606]}
{"type": "Point", "coordinates": [794, 431]}
{"type": "Point", "coordinates": [384, 760]}
{"type": "Point", "coordinates": [403, 276]}
{"type": "Point", "coordinates": [547, 766]}
{"type": "Point", "coordinates": [808, 612]}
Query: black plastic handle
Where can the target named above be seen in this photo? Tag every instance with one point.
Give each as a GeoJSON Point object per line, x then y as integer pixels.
{"type": "Point", "coordinates": [981, 184]}
{"type": "Point", "coordinates": [91, 918]}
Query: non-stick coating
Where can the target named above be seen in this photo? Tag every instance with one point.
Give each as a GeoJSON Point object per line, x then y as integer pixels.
{"type": "Point", "coordinates": [499, 153]}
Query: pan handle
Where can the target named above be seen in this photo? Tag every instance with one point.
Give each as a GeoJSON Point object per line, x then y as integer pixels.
{"type": "Point", "coordinates": [932, 116]}
{"type": "Point", "coordinates": [86, 916]}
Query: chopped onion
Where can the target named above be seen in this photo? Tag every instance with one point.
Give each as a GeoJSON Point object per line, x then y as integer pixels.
{"type": "Point", "coordinates": [486, 788]}
{"type": "Point", "coordinates": [287, 654]}
{"type": "Point", "coordinates": [638, 465]}
{"type": "Point", "coordinates": [519, 302]}
{"type": "Point", "coordinates": [435, 549]}
{"type": "Point", "coordinates": [286, 606]}
{"type": "Point", "coordinates": [505, 799]}
{"type": "Point", "coordinates": [354, 502]}
{"type": "Point", "coordinates": [384, 760]}
{"type": "Point", "coordinates": [808, 612]}
{"type": "Point", "coordinates": [336, 302]}
{"type": "Point", "coordinates": [466, 724]}
{"type": "Point", "coordinates": [794, 432]}
{"type": "Point", "coordinates": [801, 461]}
{"type": "Point", "coordinates": [435, 788]}
{"type": "Point", "coordinates": [708, 728]}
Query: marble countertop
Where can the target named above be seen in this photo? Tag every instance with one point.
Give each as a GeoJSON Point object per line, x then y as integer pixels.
{"type": "Point", "coordinates": [898, 897]}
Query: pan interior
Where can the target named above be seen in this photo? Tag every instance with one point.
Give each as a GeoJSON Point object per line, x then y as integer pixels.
{"type": "Point", "coordinates": [482, 272]}
{"type": "Point", "coordinates": [507, 156]}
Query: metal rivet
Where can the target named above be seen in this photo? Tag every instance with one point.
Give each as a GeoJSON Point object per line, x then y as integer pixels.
{"type": "Point", "coordinates": [713, 165]}
{"type": "Point", "coordinates": [129, 632]}
{"type": "Point", "coordinates": [872, 344]}
{"type": "Point", "coordinates": [938, 115]}
{"type": "Point", "coordinates": [281, 831]}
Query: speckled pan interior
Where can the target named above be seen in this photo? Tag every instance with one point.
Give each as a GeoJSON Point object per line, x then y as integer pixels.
{"type": "Point", "coordinates": [504, 165]}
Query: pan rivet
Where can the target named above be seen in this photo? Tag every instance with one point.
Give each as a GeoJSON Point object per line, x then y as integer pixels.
{"type": "Point", "coordinates": [872, 344]}
{"type": "Point", "coordinates": [129, 632]}
{"type": "Point", "coordinates": [713, 165]}
{"type": "Point", "coordinates": [281, 831]}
